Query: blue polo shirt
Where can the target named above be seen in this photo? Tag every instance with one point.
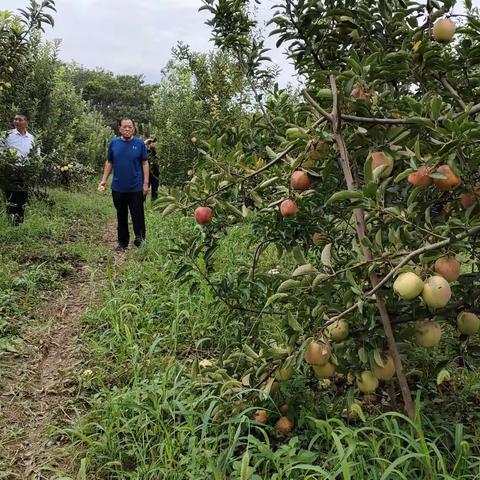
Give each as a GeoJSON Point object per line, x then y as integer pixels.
{"type": "Point", "coordinates": [127, 157]}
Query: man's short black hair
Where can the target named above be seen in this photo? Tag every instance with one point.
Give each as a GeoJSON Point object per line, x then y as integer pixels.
{"type": "Point", "coordinates": [127, 118]}
{"type": "Point", "coordinates": [22, 114]}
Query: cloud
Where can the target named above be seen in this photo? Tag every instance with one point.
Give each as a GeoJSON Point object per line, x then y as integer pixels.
{"type": "Point", "coordinates": [130, 37]}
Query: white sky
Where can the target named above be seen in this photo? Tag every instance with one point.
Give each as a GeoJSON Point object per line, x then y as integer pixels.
{"type": "Point", "coordinates": [133, 36]}
{"type": "Point", "coordinates": [136, 36]}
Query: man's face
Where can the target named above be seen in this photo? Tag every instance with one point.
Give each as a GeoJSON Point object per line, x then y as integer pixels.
{"type": "Point", "coordinates": [127, 129]}
{"type": "Point", "coordinates": [20, 123]}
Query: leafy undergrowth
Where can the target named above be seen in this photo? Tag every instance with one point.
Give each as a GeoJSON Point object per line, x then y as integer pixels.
{"type": "Point", "coordinates": [153, 415]}
{"type": "Point", "coordinates": [58, 234]}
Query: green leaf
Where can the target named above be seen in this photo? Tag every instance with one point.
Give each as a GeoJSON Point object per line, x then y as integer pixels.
{"type": "Point", "coordinates": [443, 375]}
{"type": "Point", "coordinates": [182, 271]}
{"type": "Point", "coordinates": [319, 279]}
{"type": "Point", "coordinates": [294, 325]}
{"type": "Point", "coordinates": [367, 170]}
{"type": "Point", "coordinates": [362, 355]}
{"type": "Point", "coordinates": [413, 196]}
{"type": "Point", "coordinates": [355, 407]}
{"type": "Point", "coordinates": [377, 356]}
{"type": "Point", "coordinates": [298, 255]}
{"type": "Point", "coordinates": [344, 195]}
{"type": "Point", "coordinates": [377, 173]}
{"type": "Point", "coordinates": [435, 107]}
{"type": "Point", "coordinates": [244, 470]}
{"type": "Point", "coordinates": [437, 175]}
{"type": "Point", "coordinates": [306, 269]}
{"type": "Point", "coordinates": [326, 255]}
{"type": "Point", "coordinates": [418, 152]}
{"type": "Point", "coordinates": [425, 122]}
{"type": "Point", "coordinates": [401, 176]}
{"type": "Point", "coordinates": [267, 183]}
{"type": "Point", "coordinates": [169, 209]}
{"type": "Point", "coordinates": [249, 352]}
{"type": "Point", "coordinates": [272, 155]}
{"type": "Point", "coordinates": [289, 284]}
{"type": "Point", "coordinates": [274, 298]}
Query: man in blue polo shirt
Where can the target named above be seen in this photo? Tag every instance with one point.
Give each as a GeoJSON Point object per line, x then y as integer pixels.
{"type": "Point", "coordinates": [128, 159]}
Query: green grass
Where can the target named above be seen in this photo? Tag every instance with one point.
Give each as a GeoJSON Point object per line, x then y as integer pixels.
{"type": "Point", "coordinates": [150, 416]}
{"type": "Point", "coordinates": [36, 256]}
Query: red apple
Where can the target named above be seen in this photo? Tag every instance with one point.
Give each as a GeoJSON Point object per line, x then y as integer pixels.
{"type": "Point", "coordinates": [203, 215]}
{"type": "Point", "coordinates": [288, 208]}
{"type": "Point", "coordinates": [300, 180]}
{"type": "Point", "coordinates": [467, 199]}
{"type": "Point", "coordinates": [448, 268]}
{"type": "Point", "coordinates": [420, 178]}
{"type": "Point", "coordinates": [451, 182]}
{"type": "Point", "coordinates": [360, 94]}
{"type": "Point", "coordinates": [261, 416]}
{"type": "Point", "coordinates": [284, 425]}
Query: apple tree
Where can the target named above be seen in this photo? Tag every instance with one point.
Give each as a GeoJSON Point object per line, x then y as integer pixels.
{"type": "Point", "coordinates": [370, 183]}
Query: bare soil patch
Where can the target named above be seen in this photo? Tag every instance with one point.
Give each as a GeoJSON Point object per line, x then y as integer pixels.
{"type": "Point", "coordinates": [40, 383]}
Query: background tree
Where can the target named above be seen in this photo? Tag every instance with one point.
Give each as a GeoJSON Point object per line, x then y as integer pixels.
{"type": "Point", "coordinates": [114, 96]}
{"type": "Point", "coordinates": [72, 137]}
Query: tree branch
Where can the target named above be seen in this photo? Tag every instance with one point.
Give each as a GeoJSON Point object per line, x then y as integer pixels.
{"type": "Point", "coordinates": [384, 121]}
{"type": "Point", "coordinates": [403, 121]}
{"type": "Point", "coordinates": [256, 257]}
{"type": "Point", "coordinates": [361, 228]}
{"type": "Point", "coordinates": [454, 93]}
{"type": "Point", "coordinates": [316, 106]}
{"type": "Point", "coordinates": [404, 261]}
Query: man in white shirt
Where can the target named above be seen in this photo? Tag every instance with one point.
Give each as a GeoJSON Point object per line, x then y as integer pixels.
{"type": "Point", "coordinates": [23, 142]}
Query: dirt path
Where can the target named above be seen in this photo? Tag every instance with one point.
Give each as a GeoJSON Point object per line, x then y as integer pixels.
{"type": "Point", "coordinates": [40, 385]}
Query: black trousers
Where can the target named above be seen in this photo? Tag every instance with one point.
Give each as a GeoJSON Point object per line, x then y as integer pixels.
{"type": "Point", "coordinates": [154, 185]}
{"type": "Point", "coordinates": [133, 201]}
{"type": "Point", "coordinates": [16, 201]}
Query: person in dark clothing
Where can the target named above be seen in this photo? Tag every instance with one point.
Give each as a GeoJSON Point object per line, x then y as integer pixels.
{"type": "Point", "coordinates": [127, 158]}
{"type": "Point", "coordinates": [154, 167]}
{"type": "Point", "coordinates": [17, 193]}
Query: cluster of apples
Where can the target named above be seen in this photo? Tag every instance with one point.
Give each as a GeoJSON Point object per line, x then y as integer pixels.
{"type": "Point", "coordinates": [299, 181]}
{"type": "Point", "coordinates": [284, 424]}
{"type": "Point", "coordinates": [421, 178]}
{"type": "Point", "coordinates": [318, 356]}
{"type": "Point", "coordinates": [436, 293]}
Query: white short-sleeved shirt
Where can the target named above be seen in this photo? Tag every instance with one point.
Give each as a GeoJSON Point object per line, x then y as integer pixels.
{"type": "Point", "coordinates": [22, 143]}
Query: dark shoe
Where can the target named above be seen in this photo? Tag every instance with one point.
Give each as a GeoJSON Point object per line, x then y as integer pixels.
{"type": "Point", "coordinates": [15, 219]}
{"type": "Point", "coordinates": [119, 248]}
{"type": "Point", "coordinates": [138, 242]}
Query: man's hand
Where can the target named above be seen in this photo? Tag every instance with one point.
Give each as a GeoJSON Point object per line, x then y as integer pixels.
{"type": "Point", "coordinates": [102, 186]}
{"type": "Point", "coordinates": [146, 187]}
